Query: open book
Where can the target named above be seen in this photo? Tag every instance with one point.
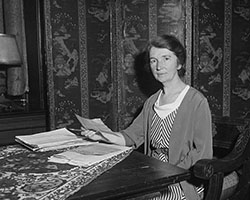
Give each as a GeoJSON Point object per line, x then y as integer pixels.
{"type": "Point", "coordinates": [50, 140]}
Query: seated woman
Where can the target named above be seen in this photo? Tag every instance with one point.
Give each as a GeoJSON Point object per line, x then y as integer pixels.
{"type": "Point", "coordinates": [175, 122]}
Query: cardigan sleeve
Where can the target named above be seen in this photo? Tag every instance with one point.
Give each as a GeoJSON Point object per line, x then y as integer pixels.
{"type": "Point", "coordinates": [134, 135]}
{"type": "Point", "coordinates": [201, 146]}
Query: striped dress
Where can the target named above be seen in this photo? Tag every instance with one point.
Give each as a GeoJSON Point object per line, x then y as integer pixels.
{"type": "Point", "coordinates": [160, 132]}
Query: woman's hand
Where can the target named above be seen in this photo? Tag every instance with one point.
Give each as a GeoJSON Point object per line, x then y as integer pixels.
{"type": "Point", "coordinates": [93, 135]}
{"type": "Point", "coordinates": [114, 137]}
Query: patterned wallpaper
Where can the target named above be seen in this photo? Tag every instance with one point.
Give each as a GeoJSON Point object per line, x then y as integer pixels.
{"type": "Point", "coordinates": [93, 55]}
{"type": "Point", "coordinates": [99, 69]}
{"type": "Point", "coordinates": [240, 60]}
{"type": "Point", "coordinates": [208, 73]}
{"type": "Point", "coordinates": [141, 20]}
{"type": "Point", "coordinates": [221, 56]}
{"type": "Point", "coordinates": [64, 74]}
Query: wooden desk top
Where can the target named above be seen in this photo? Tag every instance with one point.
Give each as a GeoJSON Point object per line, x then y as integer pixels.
{"type": "Point", "coordinates": [137, 175]}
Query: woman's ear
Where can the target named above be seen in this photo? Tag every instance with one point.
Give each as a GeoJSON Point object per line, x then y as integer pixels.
{"type": "Point", "coordinates": [179, 67]}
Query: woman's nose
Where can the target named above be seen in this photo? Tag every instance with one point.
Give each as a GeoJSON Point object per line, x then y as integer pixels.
{"type": "Point", "coordinates": [159, 66]}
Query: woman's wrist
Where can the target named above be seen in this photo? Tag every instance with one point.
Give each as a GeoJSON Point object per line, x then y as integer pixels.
{"type": "Point", "coordinates": [116, 138]}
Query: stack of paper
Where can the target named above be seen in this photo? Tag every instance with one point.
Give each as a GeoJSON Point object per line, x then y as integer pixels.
{"type": "Point", "coordinates": [50, 140]}
{"type": "Point", "coordinates": [89, 155]}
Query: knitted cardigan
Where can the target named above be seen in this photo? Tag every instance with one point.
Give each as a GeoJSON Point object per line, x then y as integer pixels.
{"type": "Point", "coordinates": [191, 136]}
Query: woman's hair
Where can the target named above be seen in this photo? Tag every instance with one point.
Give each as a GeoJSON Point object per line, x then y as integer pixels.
{"type": "Point", "coordinates": [171, 43]}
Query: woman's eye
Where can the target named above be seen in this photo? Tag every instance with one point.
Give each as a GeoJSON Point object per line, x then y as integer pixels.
{"type": "Point", "coordinates": [153, 61]}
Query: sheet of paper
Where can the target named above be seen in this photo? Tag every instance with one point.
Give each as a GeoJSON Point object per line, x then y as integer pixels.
{"type": "Point", "coordinates": [88, 155]}
{"type": "Point", "coordinates": [97, 149]}
{"type": "Point", "coordinates": [66, 145]}
{"type": "Point", "coordinates": [94, 124]}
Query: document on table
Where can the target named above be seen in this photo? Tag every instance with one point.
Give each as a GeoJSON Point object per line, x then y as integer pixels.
{"type": "Point", "coordinates": [50, 140]}
{"type": "Point", "coordinates": [89, 155]}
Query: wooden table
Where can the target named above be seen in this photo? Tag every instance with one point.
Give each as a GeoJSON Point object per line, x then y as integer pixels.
{"type": "Point", "coordinates": [135, 176]}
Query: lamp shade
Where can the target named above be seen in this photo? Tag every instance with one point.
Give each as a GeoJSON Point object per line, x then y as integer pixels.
{"type": "Point", "coordinates": [9, 53]}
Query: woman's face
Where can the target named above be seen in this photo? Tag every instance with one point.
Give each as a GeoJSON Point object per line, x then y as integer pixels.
{"type": "Point", "coordinates": [164, 64]}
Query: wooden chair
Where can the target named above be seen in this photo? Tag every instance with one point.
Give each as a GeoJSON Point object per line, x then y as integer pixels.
{"type": "Point", "coordinates": [216, 173]}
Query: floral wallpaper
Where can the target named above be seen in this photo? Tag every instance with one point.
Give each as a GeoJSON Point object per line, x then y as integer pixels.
{"type": "Point", "coordinates": [221, 56]}
{"type": "Point", "coordinates": [64, 66]}
{"type": "Point", "coordinates": [94, 59]}
{"type": "Point", "coordinates": [138, 26]}
{"type": "Point", "coordinates": [93, 56]}
{"type": "Point", "coordinates": [240, 70]}
{"type": "Point", "coordinates": [134, 36]}
{"type": "Point", "coordinates": [98, 47]}
{"type": "Point", "coordinates": [209, 69]}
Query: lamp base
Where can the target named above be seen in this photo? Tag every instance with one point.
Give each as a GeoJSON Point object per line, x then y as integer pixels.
{"type": "Point", "coordinates": [12, 104]}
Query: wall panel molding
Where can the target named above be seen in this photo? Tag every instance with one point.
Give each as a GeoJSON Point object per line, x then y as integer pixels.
{"type": "Point", "coordinates": [227, 58]}
{"type": "Point", "coordinates": [83, 59]}
{"type": "Point", "coordinates": [49, 63]}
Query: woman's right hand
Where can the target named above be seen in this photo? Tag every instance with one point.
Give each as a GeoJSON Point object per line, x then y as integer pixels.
{"type": "Point", "coordinates": [93, 135]}
{"type": "Point", "coordinates": [113, 138]}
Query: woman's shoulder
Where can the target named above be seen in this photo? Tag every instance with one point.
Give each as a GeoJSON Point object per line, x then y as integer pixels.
{"type": "Point", "coordinates": [151, 99]}
{"type": "Point", "coordinates": [194, 98]}
{"type": "Point", "coordinates": [153, 96]}
{"type": "Point", "coordinates": [193, 93]}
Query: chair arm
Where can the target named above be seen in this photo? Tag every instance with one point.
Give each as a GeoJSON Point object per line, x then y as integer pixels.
{"type": "Point", "coordinates": [206, 168]}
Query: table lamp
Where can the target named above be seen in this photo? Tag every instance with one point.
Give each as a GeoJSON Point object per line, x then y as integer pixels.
{"type": "Point", "coordinates": [9, 53]}
{"type": "Point", "coordinates": [9, 57]}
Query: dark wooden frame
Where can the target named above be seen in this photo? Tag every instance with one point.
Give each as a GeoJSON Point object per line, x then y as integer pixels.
{"type": "Point", "coordinates": [34, 118]}
{"type": "Point", "coordinates": [33, 15]}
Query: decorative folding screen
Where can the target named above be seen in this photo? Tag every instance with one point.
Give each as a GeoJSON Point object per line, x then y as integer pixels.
{"type": "Point", "coordinates": [222, 56]}
{"type": "Point", "coordinates": [91, 50]}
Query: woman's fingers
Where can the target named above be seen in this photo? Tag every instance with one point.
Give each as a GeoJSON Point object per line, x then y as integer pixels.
{"type": "Point", "coordinates": [88, 133]}
{"type": "Point", "coordinates": [91, 135]}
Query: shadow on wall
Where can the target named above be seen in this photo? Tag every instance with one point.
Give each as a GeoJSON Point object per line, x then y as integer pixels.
{"type": "Point", "coordinates": [145, 79]}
